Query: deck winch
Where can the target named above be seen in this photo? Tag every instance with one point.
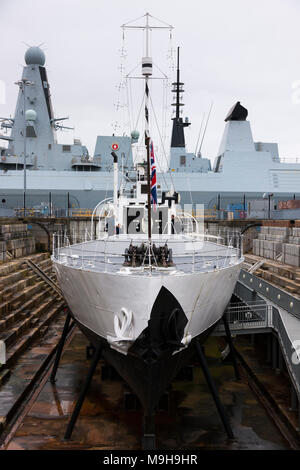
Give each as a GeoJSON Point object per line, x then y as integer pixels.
{"type": "Point", "coordinates": [137, 255]}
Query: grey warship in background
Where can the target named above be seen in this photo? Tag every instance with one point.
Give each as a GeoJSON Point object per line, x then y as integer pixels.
{"type": "Point", "coordinates": [65, 177]}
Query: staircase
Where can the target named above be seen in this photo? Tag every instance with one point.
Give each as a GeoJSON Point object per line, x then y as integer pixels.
{"type": "Point", "coordinates": [281, 275]}
{"type": "Point", "coordinates": [29, 304]}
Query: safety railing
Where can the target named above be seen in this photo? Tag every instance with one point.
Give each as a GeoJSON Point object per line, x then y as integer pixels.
{"type": "Point", "coordinates": [80, 212]}
{"type": "Point", "coordinates": [287, 160]}
{"type": "Point", "coordinates": [220, 214]}
{"type": "Point", "coordinates": [253, 315]}
{"type": "Point", "coordinates": [186, 253]}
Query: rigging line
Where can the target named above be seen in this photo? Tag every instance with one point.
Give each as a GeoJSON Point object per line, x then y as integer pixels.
{"type": "Point", "coordinates": [129, 73]}
{"type": "Point", "coordinates": [161, 21]}
{"type": "Point", "coordinates": [164, 153]}
{"type": "Point", "coordinates": [132, 21]}
{"type": "Point", "coordinates": [143, 99]}
{"type": "Point", "coordinates": [199, 134]}
{"type": "Point", "coordinates": [166, 108]}
{"type": "Point", "coordinates": [206, 126]}
{"type": "Point", "coordinates": [131, 98]}
{"type": "Point", "coordinates": [163, 111]}
{"type": "Point", "coordinates": [138, 118]}
{"type": "Point", "coordinates": [165, 105]}
{"type": "Point", "coordinates": [128, 104]}
{"type": "Point", "coordinates": [163, 73]}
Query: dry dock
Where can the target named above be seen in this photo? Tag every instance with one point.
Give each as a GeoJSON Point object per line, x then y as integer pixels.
{"type": "Point", "coordinates": [34, 413]}
{"type": "Point", "coordinates": [190, 422]}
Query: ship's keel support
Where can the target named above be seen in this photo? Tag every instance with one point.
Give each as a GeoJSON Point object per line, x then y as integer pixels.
{"type": "Point", "coordinates": [148, 440]}
{"type": "Point", "coordinates": [213, 390]}
{"type": "Point", "coordinates": [60, 347]}
{"type": "Point", "coordinates": [84, 390]}
{"type": "Point", "coordinates": [231, 347]}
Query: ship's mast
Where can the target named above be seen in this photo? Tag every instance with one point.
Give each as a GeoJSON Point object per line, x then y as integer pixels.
{"type": "Point", "coordinates": [178, 124]}
{"type": "Point", "coordinates": [147, 72]}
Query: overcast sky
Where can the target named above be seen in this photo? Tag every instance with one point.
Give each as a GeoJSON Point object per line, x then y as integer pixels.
{"type": "Point", "coordinates": [230, 50]}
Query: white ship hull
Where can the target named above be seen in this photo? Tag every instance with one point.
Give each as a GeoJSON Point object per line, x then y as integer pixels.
{"type": "Point", "coordinates": [96, 298]}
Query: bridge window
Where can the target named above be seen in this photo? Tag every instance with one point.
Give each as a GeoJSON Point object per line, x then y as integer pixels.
{"type": "Point", "coordinates": [66, 148]}
{"type": "Point", "coordinates": [182, 160]}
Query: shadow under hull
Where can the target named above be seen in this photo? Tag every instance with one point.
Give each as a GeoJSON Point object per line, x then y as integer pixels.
{"type": "Point", "coordinates": [147, 377]}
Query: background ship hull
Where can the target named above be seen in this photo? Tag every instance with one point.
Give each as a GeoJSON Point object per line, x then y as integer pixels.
{"type": "Point", "coordinates": [86, 191]}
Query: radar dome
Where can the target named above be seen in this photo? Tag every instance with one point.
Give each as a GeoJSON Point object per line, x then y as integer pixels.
{"type": "Point", "coordinates": [135, 135]}
{"type": "Point", "coordinates": [35, 56]}
{"type": "Point", "coordinates": [30, 115]}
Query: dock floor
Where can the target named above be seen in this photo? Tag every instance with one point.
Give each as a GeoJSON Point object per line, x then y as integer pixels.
{"type": "Point", "coordinates": [190, 423]}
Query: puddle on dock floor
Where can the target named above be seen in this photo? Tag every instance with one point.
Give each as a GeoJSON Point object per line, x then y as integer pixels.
{"type": "Point", "coordinates": [191, 422]}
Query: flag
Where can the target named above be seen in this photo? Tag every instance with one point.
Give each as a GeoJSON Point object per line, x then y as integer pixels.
{"type": "Point", "coordinates": [153, 177]}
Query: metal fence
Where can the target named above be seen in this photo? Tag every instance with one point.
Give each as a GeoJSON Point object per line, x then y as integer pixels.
{"type": "Point", "coordinates": [190, 253]}
{"type": "Point", "coordinates": [253, 315]}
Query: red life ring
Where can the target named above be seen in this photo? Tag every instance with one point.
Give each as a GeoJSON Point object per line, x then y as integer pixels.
{"type": "Point", "coordinates": [115, 146]}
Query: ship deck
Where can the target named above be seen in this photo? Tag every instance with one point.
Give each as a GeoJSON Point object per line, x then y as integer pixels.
{"type": "Point", "coordinates": [108, 255]}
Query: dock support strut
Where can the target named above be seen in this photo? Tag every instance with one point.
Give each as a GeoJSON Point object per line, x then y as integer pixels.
{"type": "Point", "coordinates": [60, 347]}
{"type": "Point", "coordinates": [148, 441]}
{"type": "Point", "coordinates": [83, 392]}
{"type": "Point", "coordinates": [231, 347]}
{"type": "Point", "coordinates": [213, 391]}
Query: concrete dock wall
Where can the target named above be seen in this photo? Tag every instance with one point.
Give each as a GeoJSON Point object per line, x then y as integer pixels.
{"type": "Point", "coordinates": [16, 240]}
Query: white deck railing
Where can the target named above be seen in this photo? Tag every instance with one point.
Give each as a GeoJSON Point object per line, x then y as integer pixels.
{"type": "Point", "coordinates": [189, 253]}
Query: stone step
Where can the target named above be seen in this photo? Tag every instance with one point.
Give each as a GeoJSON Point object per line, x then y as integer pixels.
{"type": "Point", "coordinates": [14, 316]}
{"type": "Point", "coordinates": [287, 284]}
{"type": "Point", "coordinates": [284, 270]}
{"type": "Point", "coordinates": [24, 342]}
{"type": "Point", "coordinates": [5, 307]}
{"type": "Point", "coordinates": [13, 277]}
{"type": "Point", "coordinates": [18, 286]}
{"type": "Point", "coordinates": [31, 319]}
{"type": "Point", "coordinates": [11, 266]}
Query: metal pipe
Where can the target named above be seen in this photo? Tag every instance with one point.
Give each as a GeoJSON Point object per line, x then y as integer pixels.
{"type": "Point", "coordinates": [115, 157]}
